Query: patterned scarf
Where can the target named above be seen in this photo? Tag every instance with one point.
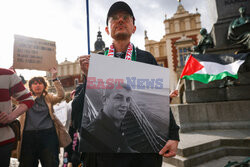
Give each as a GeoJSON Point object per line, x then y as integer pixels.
{"type": "Point", "coordinates": [130, 53]}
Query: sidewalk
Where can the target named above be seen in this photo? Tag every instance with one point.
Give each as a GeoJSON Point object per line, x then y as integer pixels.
{"type": "Point", "coordinates": [211, 148]}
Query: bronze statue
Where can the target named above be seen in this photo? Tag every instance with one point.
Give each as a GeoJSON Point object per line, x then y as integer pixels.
{"type": "Point", "coordinates": [239, 29]}
{"type": "Point", "coordinates": [205, 42]}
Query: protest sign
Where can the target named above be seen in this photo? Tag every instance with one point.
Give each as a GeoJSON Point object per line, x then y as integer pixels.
{"type": "Point", "coordinates": [34, 53]}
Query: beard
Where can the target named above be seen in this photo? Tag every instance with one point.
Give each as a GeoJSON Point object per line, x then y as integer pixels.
{"type": "Point", "coordinates": [121, 36]}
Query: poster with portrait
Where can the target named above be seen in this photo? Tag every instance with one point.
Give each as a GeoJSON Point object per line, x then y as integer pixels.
{"type": "Point", "coordinates": [126, 107]}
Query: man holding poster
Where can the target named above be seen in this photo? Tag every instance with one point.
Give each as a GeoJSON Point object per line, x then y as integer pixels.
{"type": "Point", "coordinates": [121, 26]}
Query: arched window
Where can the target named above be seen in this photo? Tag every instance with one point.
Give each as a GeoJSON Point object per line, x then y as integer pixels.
{"type": "Point", "coordinates": [76, 81]}
{"type": "Point", "coordinates": [193, 26]}
{"type": "Point", "coordinates": [172, 27]}
{"type": "Point", "coordinates": [152, 51]}
{"type": "Point", "coordinates": [183, 26]}
{"type": "Point", "coordinates": [161, 51]}
{"type": "Point", "coordinates": [183, 53]}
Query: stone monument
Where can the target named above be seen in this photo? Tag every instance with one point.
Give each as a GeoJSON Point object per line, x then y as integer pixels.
{"type": "Point", "coordinates": [227, 11]}
{"type": "Point", "coordinates": [239, 29]}
{"type": "Point", "coordinates": [205, 42]}
{"type": "Point", "coordinates": [227, 24]}
{"type": "Point", "coordinates": [215, 121]}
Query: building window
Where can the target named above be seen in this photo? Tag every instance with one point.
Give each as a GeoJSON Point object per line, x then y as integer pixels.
{"type": "Point", "coordinates": [76, 81]}
{"type": "Point", "coordinates": [193, 26]}
{"type": "Point", "coordinates": [182, 25]}
{"type": "Point", "coordinates": [161, 51]}
{"type": "Point", "coordinates": [161, 64]}
{"type": "Point", "coordinates": [59, 71]}
{"type": "Point", "coordinates": [67, 71]}
{"type": "Point", "coordinates": [62, 71]}
{"type": "Point", "coordinates": [183, 54]}
{"type": "Point", "coordinates": [152, 50]}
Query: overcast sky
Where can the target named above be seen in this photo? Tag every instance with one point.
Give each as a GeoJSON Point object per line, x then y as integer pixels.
{"type": "Point", "coordinates": [64, 21]}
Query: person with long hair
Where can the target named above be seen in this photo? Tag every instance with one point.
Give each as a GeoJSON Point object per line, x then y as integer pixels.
{"type": "Point", "coordinates": [41, 132]}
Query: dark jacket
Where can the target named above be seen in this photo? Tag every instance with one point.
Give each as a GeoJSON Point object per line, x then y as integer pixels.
{"type": "Point", "coordinates": [77, 105]}
{"type": "Point", "coordinates": [103, 136]}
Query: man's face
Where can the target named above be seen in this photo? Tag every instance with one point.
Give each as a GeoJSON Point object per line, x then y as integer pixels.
{"type": "Point", "coordinates": [121, 26]}
{"type": "Point", "coordinates": [117, 104]}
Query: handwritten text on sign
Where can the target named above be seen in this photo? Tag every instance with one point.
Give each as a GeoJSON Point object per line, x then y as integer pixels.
{"type": "Point", "coordinates": [33, 53]}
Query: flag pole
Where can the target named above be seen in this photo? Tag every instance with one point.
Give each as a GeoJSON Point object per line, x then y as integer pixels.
{"type": "Point", "coordinates": [178, 84]}
{"type": "Point", "coordinates": [87, 10]}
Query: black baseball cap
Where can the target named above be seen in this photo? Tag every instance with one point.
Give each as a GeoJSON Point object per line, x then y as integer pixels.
{"type": "Point", "coordinates": [119, 6]}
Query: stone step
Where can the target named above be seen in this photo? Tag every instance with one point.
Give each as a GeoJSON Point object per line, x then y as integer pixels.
{"type": "Point", "coordinates": [224, 161]}
{"type": "Point", "coordinates": [206, 156]}
{"type": "Point", "coordinates": [188, 151]}
{"type": "Point", "coordinates": [200, 147]}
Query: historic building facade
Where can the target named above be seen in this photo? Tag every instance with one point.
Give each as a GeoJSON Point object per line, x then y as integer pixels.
{"type": "Point", "coordinates": [69, 74]}
{"type": "Point", "coordinates": [181, 34]}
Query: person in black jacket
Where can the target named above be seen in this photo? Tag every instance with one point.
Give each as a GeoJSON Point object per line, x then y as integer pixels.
{"type": "Point", "coordinates": [120, 26]}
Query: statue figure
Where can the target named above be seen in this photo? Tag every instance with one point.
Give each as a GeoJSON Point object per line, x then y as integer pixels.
{"type": "Point", "coordinates": [239, 29]}
{"type": "Point", "coordinates": [205, 42]}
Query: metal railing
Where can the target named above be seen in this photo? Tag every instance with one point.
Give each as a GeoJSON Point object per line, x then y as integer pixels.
{"type": "Point", "coordinates": [91, 111]}
{"type": "Point", "coordinates": [154, 139]}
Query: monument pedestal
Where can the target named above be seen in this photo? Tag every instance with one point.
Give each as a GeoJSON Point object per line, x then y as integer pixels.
{"type": "Point", "coordinates": [212, 116]}
{"type": "Point", "coordinates": [224, 50]}
{"type": "Point", "coordinates": [218, 94]}
{"type": "Point", "coordinates": [210, 131]}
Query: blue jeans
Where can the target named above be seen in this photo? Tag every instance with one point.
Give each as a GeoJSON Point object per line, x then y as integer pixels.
{"type": "Point", "coordinates": [40, 145]}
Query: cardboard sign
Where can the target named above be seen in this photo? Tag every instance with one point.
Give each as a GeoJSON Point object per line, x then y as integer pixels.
{"type": "Point", "coordinates": [34, 53]}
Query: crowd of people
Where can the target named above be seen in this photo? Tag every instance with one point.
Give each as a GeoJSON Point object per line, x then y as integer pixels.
{"type": "Point", "coordinates": [42, 133]}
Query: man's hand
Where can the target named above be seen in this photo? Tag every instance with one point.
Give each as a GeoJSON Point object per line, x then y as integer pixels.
{"type": "Point", "coordinates": [6, 118]}
{"type": "Point", "coordinates": [84, 63]}
{"type": "Point", "coordinates": [170, 149]}
{"type": "Point", "coordinates": [174, 94]}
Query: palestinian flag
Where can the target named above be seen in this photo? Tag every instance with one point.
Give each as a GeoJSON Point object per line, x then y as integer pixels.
{"type": "Point", "coordinates": [206, 68]}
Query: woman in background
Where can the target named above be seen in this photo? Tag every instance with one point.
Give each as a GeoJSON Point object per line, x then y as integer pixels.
{"type": "Point", "coordinates": [41, 132]}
